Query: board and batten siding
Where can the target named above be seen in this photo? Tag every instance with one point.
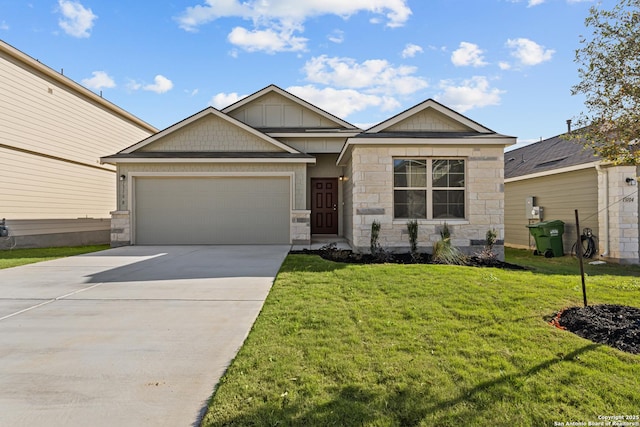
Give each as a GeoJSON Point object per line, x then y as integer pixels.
{"type": "Point", "coordinates": [559, 195]}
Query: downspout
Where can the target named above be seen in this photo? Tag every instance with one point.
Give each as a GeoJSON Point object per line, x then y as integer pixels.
{"type": "Point", "coordinates": [605, 231]}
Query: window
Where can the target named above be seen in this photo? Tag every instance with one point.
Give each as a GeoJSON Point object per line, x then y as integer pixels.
{"type": "Point", "coordinates": [429, 188]}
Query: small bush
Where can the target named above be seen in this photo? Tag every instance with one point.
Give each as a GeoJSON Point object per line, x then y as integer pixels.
{"type": "Point", "coordinates": [374, 245]}
{"type": "Point", "coordinates": [377, 251]}
{"type": "Point", "coordinates": [412, 228]}
{"type": "Point", "coordinates": [487, 253]}
{"type": "Point", "coordinates": [444, 252]}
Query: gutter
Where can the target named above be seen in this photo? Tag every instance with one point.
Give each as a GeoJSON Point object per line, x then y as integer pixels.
{"type": "Point", "coordinates": [605, 239]}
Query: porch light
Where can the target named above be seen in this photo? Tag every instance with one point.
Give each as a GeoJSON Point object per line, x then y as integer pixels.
{"type": "Point", "coordinates": [630, 181]}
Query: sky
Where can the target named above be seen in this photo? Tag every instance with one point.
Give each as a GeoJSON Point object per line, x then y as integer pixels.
{"type": "Point", "coordinates": [507, 64]}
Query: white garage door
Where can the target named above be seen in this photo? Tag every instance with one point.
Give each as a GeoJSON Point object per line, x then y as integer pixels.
{"type": "Point", "coordinates": [212, 210]}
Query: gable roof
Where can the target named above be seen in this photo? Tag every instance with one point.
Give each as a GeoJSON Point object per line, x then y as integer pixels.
{"type": "Point", "coordinates": [550, 154]}
{"type": "Point", "coordinates": [208, 111]}
{"type": "Point", "coordinates": [275, 89]}
{"type": "Point", "coordinates": [471, 125]}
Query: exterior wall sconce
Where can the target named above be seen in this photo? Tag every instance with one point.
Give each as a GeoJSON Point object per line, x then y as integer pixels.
{"type": "Point", "coordinates": [123, 177]}
{"type": "Point", "coordinates": [630, 181]}
{"type": "Point", "coordinates": [341, 178]}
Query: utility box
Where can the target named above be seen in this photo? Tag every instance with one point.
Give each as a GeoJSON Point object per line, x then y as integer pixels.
{"type": "Point", "coordinates": [532, 210]}
{"type": "Point", "coordinates": [548, 237]}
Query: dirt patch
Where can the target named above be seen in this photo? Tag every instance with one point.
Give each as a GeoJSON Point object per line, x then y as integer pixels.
{"type": "Point", "coordinates": [348, 256]}
{"type": "Point", "coordinates": [617, 326]}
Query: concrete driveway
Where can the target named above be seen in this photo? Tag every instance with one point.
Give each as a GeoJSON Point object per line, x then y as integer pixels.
{"type": "Point", "coordinates": [133, 336]}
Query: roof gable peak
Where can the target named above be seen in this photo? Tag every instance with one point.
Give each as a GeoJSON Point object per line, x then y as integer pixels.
{"type": "Point", "coordinates": [462, 122]}
{"type": "Point", "coordinates": [208, 111]}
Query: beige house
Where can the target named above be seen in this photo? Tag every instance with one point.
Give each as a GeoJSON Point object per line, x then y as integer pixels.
{"type": "Point", "coordinates": [273, 168]}
{"type": "Point", "coordinates": [55, 191]}
{"type": "Point", "coordinates": [558, 176]}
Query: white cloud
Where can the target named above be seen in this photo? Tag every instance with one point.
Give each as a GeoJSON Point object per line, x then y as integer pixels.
{"type": "Point", "coordinates": [343, 102]}
{"type": "Point", "coordinates": [411, 50]}
{"type": "Point", "coordinates": [373, 75]}
{"type": "Point", "coordinates": [222, 100]}
{"type": "Point", "coordinates": [529, 52]}
{"type": "Point", "coordinates": [99, 81]}
{"type": "Point", "coordinates": [533, 3]}
{"type": "Point", "coordinates": [336, 36]}
{"type": "Point", "coordinates": [161, 85]}
{"type": "Point", "coordinates": [133, 85]}
{"type": "Point", "coordinates": [76, 21]}
{"type": "Point", "coordinates": [397, 12]}
{"type": "Point", "coordinates": [504, 65]}
{"type": "Point", "coordinates": [4, 26]}
{"type": "Point", "coordinates": [269, 40]}
{"type": "Point", "coordinates": [472, 93]}
{"type": "Point", "coordinates": [468, 54]}
{"type": "Point", "coordinates": [278, 20]}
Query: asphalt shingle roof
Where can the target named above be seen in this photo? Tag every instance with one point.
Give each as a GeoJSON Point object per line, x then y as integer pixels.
{"type": "Point", "coordinates": [549, 154]}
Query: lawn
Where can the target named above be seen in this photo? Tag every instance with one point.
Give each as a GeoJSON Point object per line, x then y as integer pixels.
{"type": "Point", "coordinates": [16, 257]}
{"type": "Point", "coordinates": [428, 345]}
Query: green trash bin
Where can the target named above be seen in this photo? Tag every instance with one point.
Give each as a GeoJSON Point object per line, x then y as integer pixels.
{"type": "Point", "coordinates": [548, 237]}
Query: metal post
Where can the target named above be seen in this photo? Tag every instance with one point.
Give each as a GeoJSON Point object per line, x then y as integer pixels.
{"type": "Point", "coordinates": [579, 255]}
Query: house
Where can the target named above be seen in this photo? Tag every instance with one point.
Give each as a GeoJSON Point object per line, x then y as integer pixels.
{"type": "Point", "coordinates": [559, 175]}
{"type": "Point", "coordinates": [273, 168]}
{"type": "Point", "coordinates": [55, 191]}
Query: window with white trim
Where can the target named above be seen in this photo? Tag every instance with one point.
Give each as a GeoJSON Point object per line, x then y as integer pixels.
{"type": "Point", "coordinates": [429, 188]}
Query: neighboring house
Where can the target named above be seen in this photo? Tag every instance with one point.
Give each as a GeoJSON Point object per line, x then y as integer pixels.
{"type": "Point", "coordinates": [273, 168]}
{"type": "Point", "coordinates": [562, 176]}
{"type": "Point", "coordinates": [55, 191]}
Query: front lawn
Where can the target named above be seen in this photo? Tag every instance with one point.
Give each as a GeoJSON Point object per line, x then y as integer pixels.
{"type": "Point", "coordinates": [16, 257]}
{"type": "Point", "coordinates": [430, 345]}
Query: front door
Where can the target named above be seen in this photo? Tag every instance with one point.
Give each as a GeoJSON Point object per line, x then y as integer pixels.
{"type": "Point", "coordinates": [324, 205]}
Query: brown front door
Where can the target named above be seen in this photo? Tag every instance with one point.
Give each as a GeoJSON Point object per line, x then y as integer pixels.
{"type": "Point", "coordinates": [324, 205]}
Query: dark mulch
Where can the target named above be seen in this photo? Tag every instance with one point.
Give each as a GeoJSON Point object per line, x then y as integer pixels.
{"type": "Point", "coordinates": [350, 257]}
{"type": "Point", "coordinates": [614, 325]}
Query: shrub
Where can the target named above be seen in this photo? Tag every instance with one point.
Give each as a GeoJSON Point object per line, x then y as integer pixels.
{"type": "Point", "coordinates": [490, 240]}
{"type": "Point", "coordinates": [444, 252]}
{"type": "Point", "coordinates": [412, 228]}
{"type": "Point", "coordinates": [374, 245]}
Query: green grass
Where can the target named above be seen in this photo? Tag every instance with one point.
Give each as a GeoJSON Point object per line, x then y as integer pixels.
{"type": "Point", "coordinates": [427, 345]}
{"type": "Point", "coordinates": [16, 257]}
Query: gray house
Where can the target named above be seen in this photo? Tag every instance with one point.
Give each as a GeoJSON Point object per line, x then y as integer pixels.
{"type": "Point", "coordinates": [559, 176]}
{"type": "Point", "coordinates": [273, 168]}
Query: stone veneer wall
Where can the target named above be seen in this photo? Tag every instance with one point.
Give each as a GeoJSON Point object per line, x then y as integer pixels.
{"type": "Point", "coordinates": [621, 205]}
{"type": "Point", "coordinates": [301, 227]}
{"type": "Point", "coordinates": [372, 195]}
{"type": "Point", "coordinates": [120, 228]}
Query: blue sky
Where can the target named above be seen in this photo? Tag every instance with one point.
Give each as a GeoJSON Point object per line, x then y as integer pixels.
{"type": "Point", "coordinates": [507, 64]}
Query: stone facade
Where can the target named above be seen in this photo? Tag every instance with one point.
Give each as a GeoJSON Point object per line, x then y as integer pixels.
{"type": "Point", "coordinates": [301, 227]}
{"type": "Point", "coordinates": [120, 228]}
{"type": "Point", "coordinates": [618, 214]}
{"type": "Point", "coordinates": [372, 197]}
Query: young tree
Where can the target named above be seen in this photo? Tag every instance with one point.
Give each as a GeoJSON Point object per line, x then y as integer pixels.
{"type": "Point", "coordinates": [609, 70]}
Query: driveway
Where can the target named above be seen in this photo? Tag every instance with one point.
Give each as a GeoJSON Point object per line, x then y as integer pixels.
{"type": "Point", "coordinates": [133, 336]}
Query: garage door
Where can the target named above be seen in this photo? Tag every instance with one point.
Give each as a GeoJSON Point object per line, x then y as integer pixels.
{"type": "Point", "coordinates": [212, 210]}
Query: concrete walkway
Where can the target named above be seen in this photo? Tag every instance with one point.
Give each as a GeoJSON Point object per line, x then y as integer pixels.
{"type": "Point", "coordinates": [133, 336]}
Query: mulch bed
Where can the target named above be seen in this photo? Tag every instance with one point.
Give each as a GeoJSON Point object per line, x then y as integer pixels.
{"type": "Point", "coordinates": [617, 326]}
{"type": "Point", "coordinates": [348, 256]}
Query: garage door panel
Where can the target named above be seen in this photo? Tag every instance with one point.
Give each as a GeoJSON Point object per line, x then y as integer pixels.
{"type": "Point", "coordinates": [212, 210]}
